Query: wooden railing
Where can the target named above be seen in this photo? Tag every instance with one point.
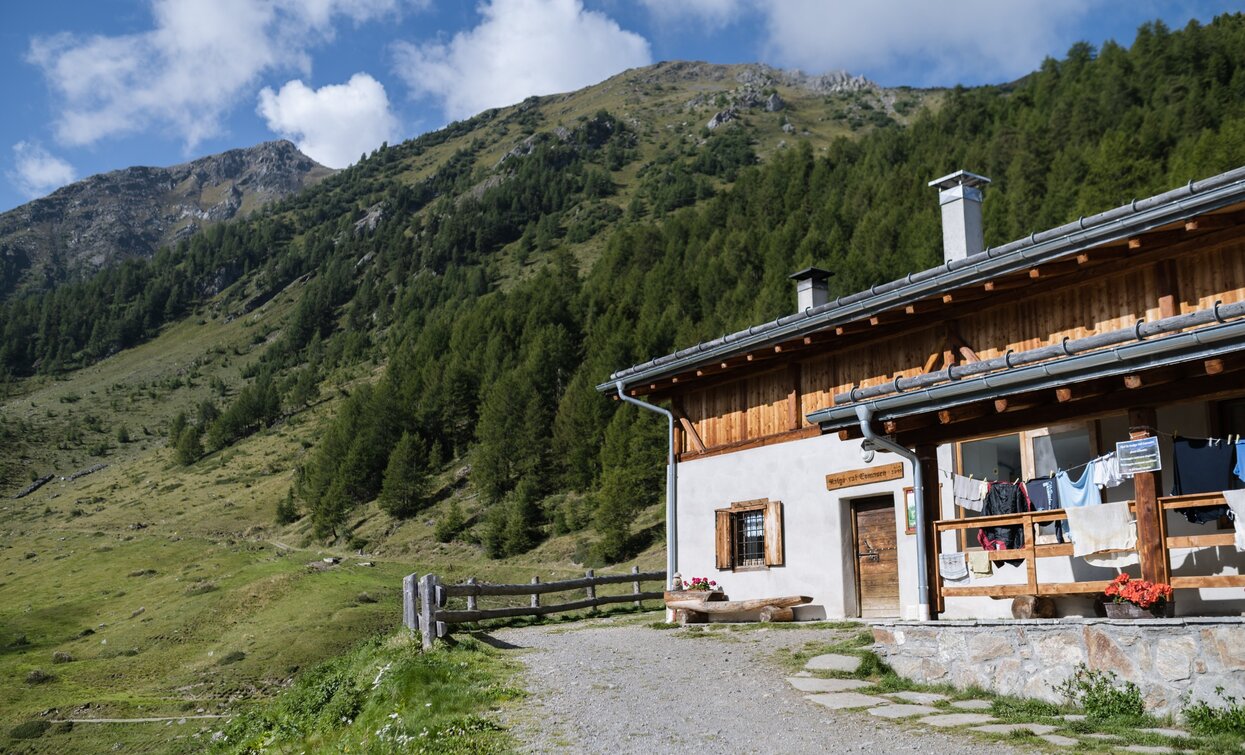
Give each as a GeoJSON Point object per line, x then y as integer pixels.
{"type": "Point", "coordinates": [424, 599]}
{"type": "Point", "coordinates": [1033, 551]}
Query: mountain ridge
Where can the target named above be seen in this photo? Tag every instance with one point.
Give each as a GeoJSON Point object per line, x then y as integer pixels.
{"type": "Point", "coordinates": [100, 220]}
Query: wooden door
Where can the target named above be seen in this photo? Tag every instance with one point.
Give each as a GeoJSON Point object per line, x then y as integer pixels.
{"type": "Point", "coordinates": [876, 555]}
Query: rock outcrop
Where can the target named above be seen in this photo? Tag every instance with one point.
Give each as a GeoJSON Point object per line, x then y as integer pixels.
{"type": "Point", "coordinates": [101, 220]}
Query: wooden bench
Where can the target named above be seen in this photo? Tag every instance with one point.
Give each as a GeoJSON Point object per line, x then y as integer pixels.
{"type": "Point", "coordinates": [697, 610]}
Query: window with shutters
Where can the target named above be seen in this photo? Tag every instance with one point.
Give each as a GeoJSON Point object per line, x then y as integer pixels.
{"type": "Point", "coordinates": [749, 535]}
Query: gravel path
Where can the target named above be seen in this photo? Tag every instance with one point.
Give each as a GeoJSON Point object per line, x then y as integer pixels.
{"type": "Point", "coordinates": [601, 687]}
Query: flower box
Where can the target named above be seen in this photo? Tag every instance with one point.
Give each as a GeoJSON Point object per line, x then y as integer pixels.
{"type": "Point", "coordinates": [1164, 610]}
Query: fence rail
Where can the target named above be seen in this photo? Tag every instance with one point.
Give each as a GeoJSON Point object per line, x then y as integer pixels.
{"type": "Point", "coordinates": [424, 599]}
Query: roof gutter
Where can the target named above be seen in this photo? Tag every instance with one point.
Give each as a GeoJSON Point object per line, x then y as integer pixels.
{"type": "Point", "coordinates": [1121, 222]}
{"type": "Point", "coordinates": [1204, 343]}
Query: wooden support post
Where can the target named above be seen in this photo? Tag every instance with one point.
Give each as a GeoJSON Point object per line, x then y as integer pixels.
{"type": "Point", "coordinates": [591, 589]}
{"type": "Point", "coordinates": [471, 599]}
{"type": "Point", "coordinates": [1151, 547]}
{"type": "Point", "coordinates": [635, 586]}
{"type": "Point", "coordinates": [428, 609]}
{"type": "Point", "coordinates": [928, 456]}
{"type": "Point", "coordinates": [536, 596]}
{"type": "Point", "coordinates": [793, 396]}
{"type": "Point", "coordinates": [410, 603]}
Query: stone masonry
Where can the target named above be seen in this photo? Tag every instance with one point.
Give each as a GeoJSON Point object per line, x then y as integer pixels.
{"type": "Point", "coordinates": [1165, 658]}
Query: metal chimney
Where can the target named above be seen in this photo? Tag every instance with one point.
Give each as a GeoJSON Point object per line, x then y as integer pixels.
{"type": "Point", "coordinates": [960, 196]}
{"type": "Point", "coordinates": [811, 289]}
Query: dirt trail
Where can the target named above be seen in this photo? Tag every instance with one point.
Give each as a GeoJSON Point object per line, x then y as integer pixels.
{"type": "Point", "coordinates": [600, 687]}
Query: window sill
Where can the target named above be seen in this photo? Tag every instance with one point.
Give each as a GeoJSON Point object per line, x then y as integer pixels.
{"type": "Point", "coordinates": [750, 568]}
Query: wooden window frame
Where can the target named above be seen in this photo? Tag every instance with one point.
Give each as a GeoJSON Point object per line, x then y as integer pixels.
{"type": "Point", "coordinates": [725, 531]}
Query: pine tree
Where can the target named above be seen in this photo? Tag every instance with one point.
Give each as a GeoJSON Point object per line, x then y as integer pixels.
{"type": "Point", "coordinates": [407, 482]}
{"type": "Point", "coordinates": [189, 448]}
{"type": "Point", "coordinates": [450, 524]}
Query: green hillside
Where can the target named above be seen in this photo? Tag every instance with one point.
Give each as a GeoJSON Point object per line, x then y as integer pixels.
{"type": "Point", "coordinates": [399, 361]}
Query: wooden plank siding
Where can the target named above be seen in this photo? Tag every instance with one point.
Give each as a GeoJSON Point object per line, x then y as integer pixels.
{"type": "Point", "coordinates": [757, 406]}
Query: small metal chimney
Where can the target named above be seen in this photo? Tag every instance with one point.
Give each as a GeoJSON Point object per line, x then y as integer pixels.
{"type": "Point", "coordinates": [960, 196]}
{"type": "Point", "coordinates": [810, 287]}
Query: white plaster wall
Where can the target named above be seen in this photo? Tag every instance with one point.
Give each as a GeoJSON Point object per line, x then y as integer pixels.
{"type": "Point", "coordinates": [819, 557]}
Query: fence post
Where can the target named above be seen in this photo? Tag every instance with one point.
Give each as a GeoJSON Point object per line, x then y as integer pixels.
{"type": "Point", "coordinates": [592, 589]}
{"type": "Point", "coordinates": [471, 599]}
{"type": "Point", "coordinates": [635, 586]}
{"type": "Point", "coordinates": [536, 596]}
{"type": "Point", "coordinates": [410, 615]}
{"type": "Point", "coordinates": [428, 609]}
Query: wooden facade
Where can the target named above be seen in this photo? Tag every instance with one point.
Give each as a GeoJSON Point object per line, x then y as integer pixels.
{"type": "Point", "coordinates": [763, 397]}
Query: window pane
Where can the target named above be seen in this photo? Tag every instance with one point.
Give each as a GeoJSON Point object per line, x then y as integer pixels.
{"type": "Point", "coordinates": [1062, 450]}
{"type": "Point", "coordinates": [992, 458]}
{"type": "Point", "coordinates": [750, 539]}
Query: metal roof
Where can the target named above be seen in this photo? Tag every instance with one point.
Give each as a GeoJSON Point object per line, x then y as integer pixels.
{"type": "Point", "coordinates": [1138, 216]}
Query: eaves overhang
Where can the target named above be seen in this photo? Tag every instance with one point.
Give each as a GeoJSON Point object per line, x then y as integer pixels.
{"type": "Point", "coordinates": [1137, 217]}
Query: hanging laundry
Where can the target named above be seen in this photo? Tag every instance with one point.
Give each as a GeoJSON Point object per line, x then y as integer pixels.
{"type": "Point", "coordinates": [952, 566]}
{"type": "Point", "coordinates": [1105, 527]}
{"type": "Point", "coordinates": [968, 493]}
{"type": "Point", "coordinates": [979, 563]}
{"type": "Point", "coordinates": [1107, 471]}
{"type": "Point", "coordinates": [1239, 471]}
{"type": "Point", "coordinates": [1043, 495]}
{"type": "Point", "coordinates": [1202, 465]}
{"type": "Point", "coordinates": [1077, 494]}
{"type": "Point", "coordinates": [1003, 498]}
{"type": "Point", "coordinates": [1236, 504]}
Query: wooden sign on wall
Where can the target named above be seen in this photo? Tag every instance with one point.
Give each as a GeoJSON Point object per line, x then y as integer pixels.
{"type": "Point", "coordinates": [853, 477]}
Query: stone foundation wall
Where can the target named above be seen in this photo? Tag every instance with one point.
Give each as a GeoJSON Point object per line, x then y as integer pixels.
{"type": "Point", "coordinates": [1165, 657]}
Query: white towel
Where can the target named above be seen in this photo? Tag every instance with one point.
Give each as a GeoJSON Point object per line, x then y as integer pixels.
{"type": "Point", "coordinates": [1105, 527]}
{"type": "Point", "coordinates": [1107, 471]}
{"type": "Point", "coordinates": [979, 562]}
{"type": "Point", "coordinates": [1236, 504]}
{"type": "Point", "coordinates": [952, 565]}
{"type": "Point", "coordinates": [968, 493]}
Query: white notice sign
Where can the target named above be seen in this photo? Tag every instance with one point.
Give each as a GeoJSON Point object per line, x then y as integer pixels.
{"type": "Point", "coordinates": [1141, 455]}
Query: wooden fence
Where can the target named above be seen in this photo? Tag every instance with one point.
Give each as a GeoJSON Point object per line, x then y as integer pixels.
{"type": "Point", "coordinates": [1033, 551]}
{"type": "Point", "coordinates": [424, 599]}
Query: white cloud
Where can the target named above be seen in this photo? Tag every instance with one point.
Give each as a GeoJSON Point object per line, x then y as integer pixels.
{"type": "Point", "coordinates": [916, 41]}
{"type": "Point", "coordinates": [714, 14]}
{"type": "Point", "coordinates": [520, 48]}
{"type": "Point", "coordinates": [333, 124]}
{"type": "Point", "coordinates": [200, 60]}
{"type": "Point", "coordinates": [36, 171]}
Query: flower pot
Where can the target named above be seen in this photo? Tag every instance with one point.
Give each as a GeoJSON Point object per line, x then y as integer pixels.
{"type": "Point", "coordinates": [1166, 609]}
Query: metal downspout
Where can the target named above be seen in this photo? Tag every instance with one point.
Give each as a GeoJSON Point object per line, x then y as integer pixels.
{"type": "Point", "coordinates": [864, 413]}
{"type": "Point", "coordinates": [672, 530]}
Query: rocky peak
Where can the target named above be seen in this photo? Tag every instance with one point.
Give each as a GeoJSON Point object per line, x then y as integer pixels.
{"type": "Point", "coordinates": [100, 220]}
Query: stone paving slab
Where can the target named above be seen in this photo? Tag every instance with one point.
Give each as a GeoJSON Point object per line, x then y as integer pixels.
{"type": "Point", "coordinates": [957, 719]}
{"type": "Point", "coordinates": [833, 662]}
{"type": "Point", "coordinates": [845, 700]}
{"type": "Point", "coordinates": [1009, 728]}
{"type": "Point", "coordinates": [902, 711]}
{"type": "Point", "coordinates": [920, 698]}
{"type": "Point", "coordinates": [1147, 748]}
{"type": "Point", "coordinates": [1103, 737]}
{"type": "Point", "coordinates": [812, 684]}
{"type": "Point", "coordinates": [1059, 740]}
{"type": "Point", "coordinates": [1074, 717]}
{"type": "Point", "coordinates": [972, 704]}
{"type": "Point", "coordinates": [1166, 732]}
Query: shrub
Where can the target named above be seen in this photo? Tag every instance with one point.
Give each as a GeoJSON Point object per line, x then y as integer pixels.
{"type": "Point", "coordinates": [29, 730]}
{"type": "Point", "coordinates": [62, 657]}
{"type": "Point", "coordinates": [233, 656]}
{"type": "Point", "coordinates": [1099, 694]}
{"type": "Point", "coordinates": [1204, 718]}
{"type": "Point", "coordinates": [38, 676]}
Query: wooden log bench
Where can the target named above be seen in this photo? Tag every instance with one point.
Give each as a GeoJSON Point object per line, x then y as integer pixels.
{"type": "Point", "coordinates": [697, 610]}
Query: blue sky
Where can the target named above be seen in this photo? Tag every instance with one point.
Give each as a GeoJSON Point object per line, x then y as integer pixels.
{"type": "Point", "coordinates": [94, 86]}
